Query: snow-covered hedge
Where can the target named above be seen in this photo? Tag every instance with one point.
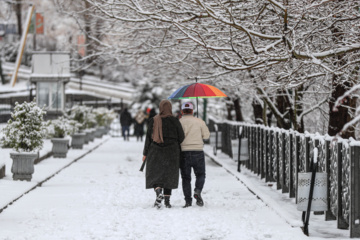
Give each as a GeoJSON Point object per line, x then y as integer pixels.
{"type": "Point", "coordinates": [103, 116]}
{"type": "Point", "coordinates": [26, 129]}
{"type": "Point", "coordinates": [62, 126]}
{"type": "Point", "coordinates": [83, 115]}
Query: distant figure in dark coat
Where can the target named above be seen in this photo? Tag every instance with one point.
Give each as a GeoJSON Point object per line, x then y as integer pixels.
{"type": "Point", "coordinates": [152, 113]}
{"type": "Point", "coordinates": [162, 153]}
{"type": "Point", "coordinates": [139, 118]}
{"type": "Point", "coordinates": [125, 121]}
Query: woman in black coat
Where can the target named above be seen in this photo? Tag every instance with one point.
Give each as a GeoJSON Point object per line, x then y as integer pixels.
{"type": "Point", "coordinates": [162, 153]}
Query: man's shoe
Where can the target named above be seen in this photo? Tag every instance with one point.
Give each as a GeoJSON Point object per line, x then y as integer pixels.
{"type": "Point", "coordinates": [187, 204]}
{"type": "Point", "coordinates": [199, 200]}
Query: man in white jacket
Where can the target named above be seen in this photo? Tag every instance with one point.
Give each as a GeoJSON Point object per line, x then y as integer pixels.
{"type": "Point", "coordinates": [195, 131]}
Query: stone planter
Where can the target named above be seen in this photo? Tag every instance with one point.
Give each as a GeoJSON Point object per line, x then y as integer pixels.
{"type": "Point", "coordinates": [92, 134]}
{"type": "Point", "coordinates": [60, 147]}
{"type": "Point", "coordinates": [104, 130]}
{"type": "Point", "coordinates": [107, 129]}
{"type": "Point", "coordinates": [78, 140]}
{"type": "Point", "coordinates": [23, 165]}
{"type": "Point", "coordinates": [87, 136]}
{"type": "Point", "coordinates": [99, 132]}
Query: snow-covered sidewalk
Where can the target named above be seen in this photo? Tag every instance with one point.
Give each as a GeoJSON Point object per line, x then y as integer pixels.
{"type": "Point", "coordinates": [12, 190]}
{"type": "Point", "coordinates": [102, 196]}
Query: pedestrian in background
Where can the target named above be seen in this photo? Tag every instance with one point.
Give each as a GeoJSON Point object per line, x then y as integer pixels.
{"type": "Point", "coordinates": [140, 118]}
{"type": "Point", "coordinates": [152, 113]}
{"type": "Point", "coordinates": [125, 122]}
{"type": "Point", "coordinates": [192, 153]}
{"type": "Point", "coordinates": [162, 153]}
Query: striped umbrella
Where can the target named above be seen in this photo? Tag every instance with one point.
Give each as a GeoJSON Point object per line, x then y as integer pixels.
{"type": "Point", "coordinates": [197, 90]}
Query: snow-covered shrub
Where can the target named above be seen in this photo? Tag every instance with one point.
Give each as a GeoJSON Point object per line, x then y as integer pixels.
{"type": "Point", "coordinates": [62, 126]}
{"type": "Point", "coordinates": [26, 129]}
{"type": "Point", "coordinates": [83, 115]}
{"type": "Point", "coordinates": [100, 116]}
{"type": "Point", "coordinates": [110, 116]}
{"type": "Point", "coordinates": [103, 116]}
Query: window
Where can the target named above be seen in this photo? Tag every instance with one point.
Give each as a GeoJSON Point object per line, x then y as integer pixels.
{"type": "Point", "coordinates": [50, 94]}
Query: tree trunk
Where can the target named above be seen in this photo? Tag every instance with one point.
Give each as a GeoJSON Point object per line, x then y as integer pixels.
{"type": "Point", "coordinates": [264, 116]}
{"type": "Point", "coordinates": [269, 118]}
{"type": "Point", "coordinates": [258, 111]}
{"type": "Point", "coordinates": [283, 107]}
{"type": "Point", "coordinates": [339, 117]}
{"type": "Point", "coordinates": [229, 108]}
{"type": "Point", "coordinates": [299, 93]}
{"type": "Point", "coordinates": [237, 106]}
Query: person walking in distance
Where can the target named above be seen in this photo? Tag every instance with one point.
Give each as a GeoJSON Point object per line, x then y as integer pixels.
{"type": "Point", "coordinates": [193, 156]}
{"type": "Point", "coordinates": [125, 121]}
{"type": "Point", "coordinates": [140, 118]}
{"type": "Point", "coordinates": [162, 153]}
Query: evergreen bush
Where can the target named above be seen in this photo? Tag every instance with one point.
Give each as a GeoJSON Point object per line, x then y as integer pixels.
{"type": "Point", "coordinates": [26, 129]}
{"type": "Point", "coordinates": [104, 116]}
{"type": "Point", "coordinates": [83, 115]}
{"type": "Point", "coordinates": [63, 126]}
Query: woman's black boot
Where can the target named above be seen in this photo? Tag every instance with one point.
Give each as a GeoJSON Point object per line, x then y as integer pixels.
{"type": "Point", "coordinates": [167, 202]}
{"type": "Point", "coordinates": [159, 198]}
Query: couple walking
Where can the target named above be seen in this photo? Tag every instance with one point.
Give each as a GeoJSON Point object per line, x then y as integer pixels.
{"type": "Point", "coordinates": [172, 144]}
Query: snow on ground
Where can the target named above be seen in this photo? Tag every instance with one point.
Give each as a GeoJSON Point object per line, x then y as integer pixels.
{"type": "Point", "coordinates": [102, 196]}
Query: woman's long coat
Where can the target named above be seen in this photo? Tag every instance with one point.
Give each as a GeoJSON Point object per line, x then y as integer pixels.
{"type": "Point", "coordinates": [163, 159]}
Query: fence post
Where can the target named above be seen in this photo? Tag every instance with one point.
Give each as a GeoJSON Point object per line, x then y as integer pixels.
{"type": "Point", "coordinates": [341, 223]}
{"type": "Point", "coordinates": [317, 145]}
{"type": "Point", "coordinates": [307, 153]}
{"type": "Point", "coordinates": [216, 138]}
{"type": "Point", "coordinates": [262, 153]}
{"type": "Point", "coordinates": [354, 220]}
{"type": "Point", "coordinates": [297, 162]}
{"type": "Point", "coordinates": [226, 136]}
{"type": "Point", "coordinates": [257, 157]}
{"type": "Point", "coordinates": [284, 188]}
{"type": "Point", "coordinates": [246, 133]}
{"type": "Point", "coordinates": [278, 178]}
{"type": "Point", "coordinates": [253, 150]}
{"type": "Point", "coordinates": [239, 134]}
{"type": "Point", "coordinates": [291, 165]}
{"type": "Point", "coordinates": [268, 156]}
{"type": "Point", "coordinates": [328, 214]}
{"type": "Point", "coordinates": [271, 154]}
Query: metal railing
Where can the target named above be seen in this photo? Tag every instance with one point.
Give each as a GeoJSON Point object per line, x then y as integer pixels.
{"type": "Point", "coordinates": [278, 155]}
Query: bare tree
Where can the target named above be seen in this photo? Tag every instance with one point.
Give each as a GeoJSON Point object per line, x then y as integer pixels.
{"type": "Point", "coordinates": [294, 50]}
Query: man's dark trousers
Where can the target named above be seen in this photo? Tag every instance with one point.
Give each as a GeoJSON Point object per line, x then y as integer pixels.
{"type": "Point", "coordinates": [195, 160]}
{"type": "Point", "coordinates": [125, 132]}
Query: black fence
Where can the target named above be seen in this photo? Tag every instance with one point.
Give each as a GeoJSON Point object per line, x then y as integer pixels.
{"type": "Point", "coordinates": [278, 155]}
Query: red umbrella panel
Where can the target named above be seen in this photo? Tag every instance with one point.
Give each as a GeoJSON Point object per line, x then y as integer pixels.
{"type": "Point", "coordinates": [197, 90]}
